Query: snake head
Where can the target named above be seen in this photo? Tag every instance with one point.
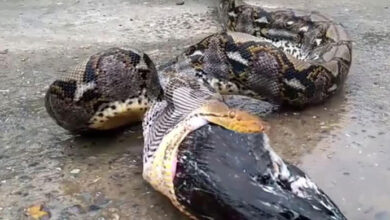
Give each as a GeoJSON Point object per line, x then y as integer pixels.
{"type": "Point", "coordinates": [111, 89]}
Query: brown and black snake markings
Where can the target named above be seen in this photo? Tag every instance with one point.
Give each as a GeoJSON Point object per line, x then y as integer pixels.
{"type": "Point", "coordinates": [111, 89]}
{"type": "Point", "coordinates": [205, 146]}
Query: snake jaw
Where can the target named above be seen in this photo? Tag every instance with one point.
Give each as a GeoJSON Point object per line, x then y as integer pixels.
{"type": "Point", "coordinates": [120, 113]}
{"type": "Point", "coordinates": [119, 120]}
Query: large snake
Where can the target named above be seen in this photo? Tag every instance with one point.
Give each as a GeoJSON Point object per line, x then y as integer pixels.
{"type": "Point", "coordinates": [205, 147]}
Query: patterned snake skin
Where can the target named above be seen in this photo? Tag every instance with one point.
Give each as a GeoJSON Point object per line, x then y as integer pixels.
{"type": "Point", "coordinates": [262, 60]}
{"type": "Point", "coordinates": [111, 89]}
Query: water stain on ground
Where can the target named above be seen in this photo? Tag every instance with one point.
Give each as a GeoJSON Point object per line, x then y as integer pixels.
{"type": "Point", "coordinates": [343, 144]}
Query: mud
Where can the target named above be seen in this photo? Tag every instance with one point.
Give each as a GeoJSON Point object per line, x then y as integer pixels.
{"type": "Point", "coordinates": [344, 144]}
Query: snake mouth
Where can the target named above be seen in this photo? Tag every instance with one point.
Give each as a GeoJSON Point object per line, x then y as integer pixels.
{"type": "Point", "coordinates": [120, 113]}
{"type": "Point", "coordinates": [120, 119]}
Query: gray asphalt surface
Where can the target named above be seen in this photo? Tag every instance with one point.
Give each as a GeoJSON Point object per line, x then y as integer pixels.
{"type": "Point", "coordinates": [344, 144]}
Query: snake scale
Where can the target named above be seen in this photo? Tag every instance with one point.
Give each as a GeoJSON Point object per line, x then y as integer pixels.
{"type": "Point", "coordinates": [205, 145]}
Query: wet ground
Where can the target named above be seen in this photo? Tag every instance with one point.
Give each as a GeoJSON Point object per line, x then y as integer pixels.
{"type": "Point", "coordinates": [344, 144]}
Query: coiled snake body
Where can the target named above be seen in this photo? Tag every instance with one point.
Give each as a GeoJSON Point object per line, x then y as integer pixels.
{"type": "Point", "coordinates": [205, 146]}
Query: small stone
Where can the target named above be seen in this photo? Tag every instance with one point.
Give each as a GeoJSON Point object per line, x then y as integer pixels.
{"type": "Point", "coordinates": [91, 158]}
{"type": "Point", "coordinates": [75, 171]}
{"type": "Point", "coordinates": [330, 155]}
{"type": "Point", "coordinates": [180, 2]}
{"type": "Point", "coordinates": [113, 210]}
{"type": "Point", "coordinates": [85, 47]}
{"type": "Point", "coordinates": [346, 173]}
{"type": "Point", "coordinates": [96, 180]}
{"type": "Point", "coordinates": [115, 216]}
